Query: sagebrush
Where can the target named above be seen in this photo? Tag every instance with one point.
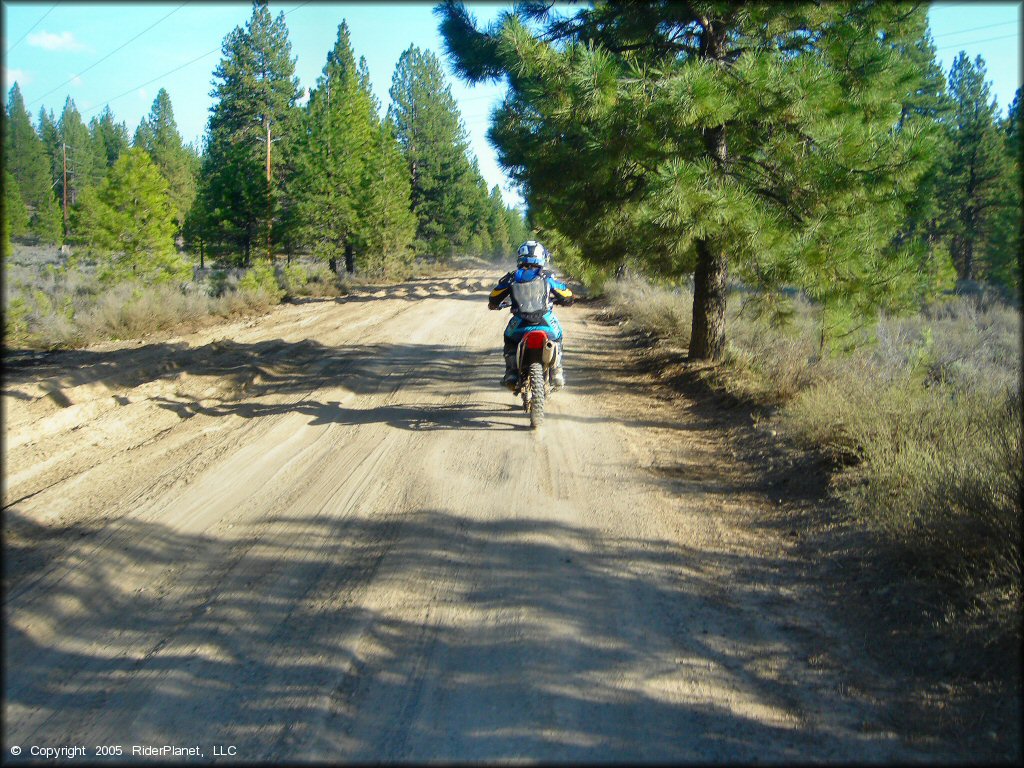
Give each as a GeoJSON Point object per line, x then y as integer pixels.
{"type": "Point", "coordinates": [922, 419]}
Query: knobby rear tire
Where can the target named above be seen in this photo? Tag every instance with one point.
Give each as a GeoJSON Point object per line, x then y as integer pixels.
{"type": "Point", "coordinates": [536, 395]}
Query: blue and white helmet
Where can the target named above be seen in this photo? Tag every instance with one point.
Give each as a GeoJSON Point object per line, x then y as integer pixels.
{"type": "Point", "coordinates": [531, 253]}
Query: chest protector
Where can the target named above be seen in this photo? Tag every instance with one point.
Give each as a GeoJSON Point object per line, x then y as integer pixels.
{"type": "Point", "coordinates": [531, 297]}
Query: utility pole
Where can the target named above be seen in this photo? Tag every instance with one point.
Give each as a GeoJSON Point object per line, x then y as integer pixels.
{"type": "Point", "coordinates": [65, 148]}
{"type": "Point", "coordinates": [269, 193]}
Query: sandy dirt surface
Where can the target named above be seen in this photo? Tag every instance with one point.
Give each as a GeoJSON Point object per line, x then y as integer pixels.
{"type": "Point", "coordinates": [327, 534]}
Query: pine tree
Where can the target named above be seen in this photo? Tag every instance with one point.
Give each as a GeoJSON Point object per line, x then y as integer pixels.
{"type": "Point", "coordinates": [109, 138]}
{"type": "Point", "coordinates": [518, 231]}
{"type": "Point", "coordinates": [979, 170]}
{"type": "Point", "coordinates": [480, 243]}
{"type": "Point", "coordinates": [351, 186]}
{"type": "Point", "coordinates": [50, 137]}
{"type": "Point", "coordinates": [928, 108]}
{"type": "Point", "coordinates": [84, 167]}
{"type": "Point", "coordinates": [126, 222]}
{"type": "Point", "coordinates": [158, 135]}
{"type": "Point", "coordinates": [1004, 250]}
{"type": "Point", "coordinates": [251, 120]}
{"type": "Point", "coordinates": [433, 139]}
{"type": "Point", "coordinates": [1012, 127]}
{"type": "Point", "coordinates": [497, 225]}
{"type": "Point", "coordinates": [386, 224]}
{"type": "Point", "coordinates": [26, 158]}
{"type": "Point", "coordinates": [332, 156]}
{"type": "Point", "coordinates": [15, 212]}
{"type": "Point", "coordinates": [691, 137]}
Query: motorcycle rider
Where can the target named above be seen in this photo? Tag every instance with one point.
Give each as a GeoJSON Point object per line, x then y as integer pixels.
{"type": "Point", "coordinates": [531, 290]}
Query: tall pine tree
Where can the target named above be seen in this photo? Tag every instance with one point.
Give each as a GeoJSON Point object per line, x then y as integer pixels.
{"type": "Point", "coordinates": [332, 155]}
{"type": "Point", "coordinates": [929, 107]}
{"type": "Point", "coordinates": [249, 132]}
{"type": "Point", "coordinates": [497, 225]}
{"type": "Point", "coordinates": [387, 225]}
{"type": "Point", "coordinates": [25, 157]}
{"type": "Point", "coordinates": [978, 172]}
{"type": "Point", "coordinates": [85, 168]}
{"type": "Point", "coordinates": [109, 138]}
{"type": "Point", "coordinates": [158, 135]}
{"type": "Point", "coordinates": [1005, 248]}
{"type": "Point", "coordinates": [692, 137]}
{"type": "Point", "coordinates": [351, 185]}
{"type": "Point", "coordinates": [433, 139]}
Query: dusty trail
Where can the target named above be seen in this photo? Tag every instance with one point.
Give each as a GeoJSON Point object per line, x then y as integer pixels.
{"type": "Point", "coordinates": [327, 534]}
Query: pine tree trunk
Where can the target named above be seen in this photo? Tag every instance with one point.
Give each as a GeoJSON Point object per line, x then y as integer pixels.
{"type": "Point", "coordinates": [350, 258]}
{"type": "Point", "coordinates": [332, 264]}
{"type": "Point", "coordinates": [707, 330]}
{"type": "Point", "coordinates": [707, 333]}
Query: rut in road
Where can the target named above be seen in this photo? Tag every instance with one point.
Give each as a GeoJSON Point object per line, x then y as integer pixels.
{"type": "Point", "coordinates": [328, 534]}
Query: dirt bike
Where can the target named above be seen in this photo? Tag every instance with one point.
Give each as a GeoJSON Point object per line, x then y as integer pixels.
{"type": "Point", "coordinates": [537, 358]}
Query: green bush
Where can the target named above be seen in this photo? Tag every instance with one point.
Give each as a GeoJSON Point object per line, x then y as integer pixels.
{"type": "Point", "coordinates": [16, 332]}
{"type": "Point", "coordinates": [262, 278]}
{"type": "Point", "coordinates": [293, 278]}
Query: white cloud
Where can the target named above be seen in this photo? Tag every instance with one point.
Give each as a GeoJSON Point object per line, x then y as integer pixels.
{"type": "Point", "coordinates": [19, 76]}
{"type": "Point", "coordinates": [76, 81]}
{"type": "Point", "coordinates": [62, 41]}
{"type": "Point", "coordinates": [143, 94]}
{"type": "Point", "coordinates": [303, 99]}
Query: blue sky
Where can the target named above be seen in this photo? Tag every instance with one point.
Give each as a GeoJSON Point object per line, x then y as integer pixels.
{"type": "Point", "coordinates": [123, 54]}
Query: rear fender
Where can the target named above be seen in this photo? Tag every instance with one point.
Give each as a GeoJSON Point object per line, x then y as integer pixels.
{"type": "Point", "coordinates": [534, 347]}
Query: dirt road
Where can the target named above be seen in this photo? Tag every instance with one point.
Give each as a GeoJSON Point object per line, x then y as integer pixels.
{"type": "Point", "coordinates": [327, 534]}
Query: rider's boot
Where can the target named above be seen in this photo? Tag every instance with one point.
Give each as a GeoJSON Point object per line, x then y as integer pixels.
{"type": "Point", "coordinates": [511, 377]}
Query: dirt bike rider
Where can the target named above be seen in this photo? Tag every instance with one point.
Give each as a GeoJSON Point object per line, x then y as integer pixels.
{"type": "Point", "coordinates": [531, 290]}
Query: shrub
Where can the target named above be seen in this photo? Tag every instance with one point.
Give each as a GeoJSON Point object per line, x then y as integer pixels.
{"type": "Point", "coordinates": [16, 312]}
{"type": "Point", "coordinates": [658, 311]}
{"type": "Point", "coordinates": [314, 279]}
{"type": "Point", "coordinates": [55, 307]}
{"type": "Point", "coordinates": [262, 278]}
{"type": "Point", "coordinates": [925, 423]}
{"type": "Point", "coordinates": [131, 310]}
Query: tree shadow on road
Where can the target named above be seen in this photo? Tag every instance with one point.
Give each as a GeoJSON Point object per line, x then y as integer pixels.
{"type": "Point", "coordinates": [226, 377]}
{"type": "Point", "coordinates": [515, 638]}
{"type": "Point", "coordinates": [419, 289]}
{"type": "Point", "coordinates": [411, 416]}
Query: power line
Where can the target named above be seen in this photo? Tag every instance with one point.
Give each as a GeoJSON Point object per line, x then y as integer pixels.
{"type": "Point", "coordinates": [120, 47]}
{"type": "Point", "coordinates": [975, 29]}
{"type": "Point", "coordinates": [33, 27]}
{"type": "Point", "coordinates": [106, 102]}
{"type": "Point", "coordinates": [975, 42]}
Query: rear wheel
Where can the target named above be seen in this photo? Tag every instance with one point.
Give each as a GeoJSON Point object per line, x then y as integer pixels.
{"type": "Point", "coordinates": [536, 395]}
